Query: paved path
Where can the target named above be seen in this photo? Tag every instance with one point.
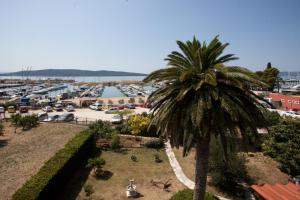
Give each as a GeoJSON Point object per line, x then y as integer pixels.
{"type": "Point", "coordinates": [178, 170]}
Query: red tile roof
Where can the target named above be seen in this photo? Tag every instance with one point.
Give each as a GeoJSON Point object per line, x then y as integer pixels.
{"type": "Point", "coordinates": [290, 191]}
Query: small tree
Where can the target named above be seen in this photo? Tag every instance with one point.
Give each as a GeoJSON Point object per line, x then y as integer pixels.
{"type": "Point", "coordinates": [115, 141]}
{"type": "Point", "coordinates": [141, 100]}
{"type": "Point", "coordinates": [15, 120]}
{"type": "Point", "coordinates": [1, 128]}
{"type": "Point", "coordinates": [282, 144]}
{"type": "Point", "coordinates": [110, 102]}
{"type": "Point", "coordinates": [101, 129]}
{"type": "Point", "coordinates": [131, 100]}
{"type": "Point", "coordinates": [96, 164]}
{"type": "Point", "coordinates": [139, 124]}
{"type": "Point", "coordinates": [121, 101]}
{"type": "Point", "coordinates": [88, 189]}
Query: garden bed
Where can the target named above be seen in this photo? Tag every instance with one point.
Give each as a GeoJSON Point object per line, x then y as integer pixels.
{"type": "Point", "coordinates": [119, 168]}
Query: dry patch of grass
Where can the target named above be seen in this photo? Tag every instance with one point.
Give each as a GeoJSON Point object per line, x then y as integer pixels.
{"type": "Point", "coordinates": [121, 168]}
{"type": "Point", "coordinates": [263, 169]}
{"type": "Point", "coordinates": [23, 153]}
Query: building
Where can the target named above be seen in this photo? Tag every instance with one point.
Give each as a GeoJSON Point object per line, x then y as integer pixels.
{"type": "Point", "coordinates": [290, 102]}
{"type": "Point", "coordinates": [289, 191]}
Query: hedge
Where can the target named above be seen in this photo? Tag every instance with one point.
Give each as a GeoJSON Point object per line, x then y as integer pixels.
{"type": "Point", "coordinates": [187, 194]}
{"type": "Point", "coordinates": [56, 172]}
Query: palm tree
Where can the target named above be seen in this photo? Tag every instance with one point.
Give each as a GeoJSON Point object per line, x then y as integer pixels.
{"type": "Point", "coordinates": [201, 98]}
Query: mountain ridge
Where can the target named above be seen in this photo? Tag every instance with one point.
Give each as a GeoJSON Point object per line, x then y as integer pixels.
{"type": "Point", "coordinates": [71, 72]}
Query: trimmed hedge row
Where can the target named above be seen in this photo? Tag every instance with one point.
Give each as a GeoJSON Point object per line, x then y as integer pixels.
{"type": "Point", "coordinates": [187, 194]}
{"type": "Point", "coordinates": [56, 172]}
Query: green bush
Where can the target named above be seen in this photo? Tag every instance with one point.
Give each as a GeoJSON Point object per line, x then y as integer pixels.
{"type": "Point", "coordinates": [101, 129]}
{"type": "Point", "coordinates": [226, 174]}
{"type": "Point", "coordinates": [283, 144]}
{"type": "Point", "coordinates": [115, 141]}
{"type": "Point", "coordinates": [272, 118]}
{"type": "Point", "coordinates": [155, 143]}
{"type": "Point", "coordinates": [1, 128]}
{"type": "Point", "coordinates": [88, 189]}
{"type": "Point", "coordinates": [26, 122]}
{"type": "Point", "coordinates": [123, 128]}
{"type": "Point", "coordinates": [57, 171]}
{"type": "Point", "coordinates": [96, 164]}
{"type": "Point", "coordinates": [187, 194]}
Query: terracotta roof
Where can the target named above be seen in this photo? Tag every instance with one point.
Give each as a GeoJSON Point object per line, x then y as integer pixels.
{"type": "Point", "coordinates": [290, 191]}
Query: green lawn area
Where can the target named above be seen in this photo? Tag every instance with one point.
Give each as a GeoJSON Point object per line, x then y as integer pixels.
{"type": "Point", "coordinates": [122, 168]}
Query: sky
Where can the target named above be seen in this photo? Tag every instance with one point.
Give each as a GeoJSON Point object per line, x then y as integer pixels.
{"type": "Point", "coordinates": [136, 35]}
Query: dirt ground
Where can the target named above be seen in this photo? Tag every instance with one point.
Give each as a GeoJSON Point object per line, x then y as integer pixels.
{"type": "Point", "coordinates": [23, 153]}
{"type": "Point", "coordinates": [121, 169]}
{"type": "Point", "coordinates": [261, 169]}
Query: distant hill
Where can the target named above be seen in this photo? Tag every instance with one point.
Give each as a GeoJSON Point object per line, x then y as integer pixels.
{"type": "Point", "coordinates": [71, 72]}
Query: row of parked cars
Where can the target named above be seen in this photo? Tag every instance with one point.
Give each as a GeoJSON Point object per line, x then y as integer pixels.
{"type": "Point", "coordinates": [66, 117]}
{"type": "Point", "coordinates": [97, 106]}
{"type": "Point", "coordinates": [12, 109]}
{"type": "Point", "coordinates": [58, 108]}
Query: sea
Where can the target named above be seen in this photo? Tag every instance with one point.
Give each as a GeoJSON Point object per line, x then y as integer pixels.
{"type": "Point", "coordinates": [80, 78]}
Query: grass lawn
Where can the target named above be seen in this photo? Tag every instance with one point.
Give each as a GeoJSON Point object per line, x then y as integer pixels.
{"type": "Point", "coordinates": [23, 153]}
{"type": "Point", "coordinates": [122, 168]}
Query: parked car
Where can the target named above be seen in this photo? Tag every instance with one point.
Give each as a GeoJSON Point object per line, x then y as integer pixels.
{"type": "Point", "coordinates": [23, 109]}
{"type": "Point", "coordinates": [70, 108]}
{"type": "Point", "coordinates": [96, 106]}
{"type": "Point", "coordinates": [66, 117]}
{"type": "Point", "coordinates": [11, 109]}
{"type": "Point", "coordinates": [47, 109]}
{"type": "Point", "coordinates": [130, 106]}
{"type": "Point", "coordinates": [51, 118]}
{"type": "Point", "coordinates": [58, 107]}
{"type": "Point", "coordinates": [112, 110]}
{"type": "Point", "coordinates": [116, 119]}
{"type": "Point", "coordinates": [2, 109]}
{"type": "Point", "coordinates": [42, 116]}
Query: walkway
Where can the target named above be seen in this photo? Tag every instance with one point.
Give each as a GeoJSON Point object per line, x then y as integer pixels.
{"type": "Point", "coordinates": [178, 170]}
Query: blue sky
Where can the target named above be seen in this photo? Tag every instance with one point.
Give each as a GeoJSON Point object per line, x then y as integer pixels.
{"type": "Point", "coordinates": [136, 35]}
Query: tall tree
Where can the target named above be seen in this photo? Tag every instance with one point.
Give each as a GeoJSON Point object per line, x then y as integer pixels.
{"type": "Point", "coordinates": [202, 98]}
{"type": "Point", "coordinates": [269, 76]}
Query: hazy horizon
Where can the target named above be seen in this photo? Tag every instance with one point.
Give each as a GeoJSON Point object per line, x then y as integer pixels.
{"type": "Point", "coordinates": [136, 36]}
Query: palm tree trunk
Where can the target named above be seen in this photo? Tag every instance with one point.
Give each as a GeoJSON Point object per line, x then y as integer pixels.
{"type": "Point", "coordinates": [202, 154]}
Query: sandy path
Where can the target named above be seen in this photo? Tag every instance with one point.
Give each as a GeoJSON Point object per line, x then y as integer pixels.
{"type": "Point", "coordinates": [22, 154]}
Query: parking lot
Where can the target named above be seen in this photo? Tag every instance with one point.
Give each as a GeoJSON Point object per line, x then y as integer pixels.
{"type": "Point", "coordinates": [86, 114]}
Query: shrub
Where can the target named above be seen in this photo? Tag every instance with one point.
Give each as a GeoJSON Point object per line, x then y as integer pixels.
{"type": "Point", "coordinates": [131, 100]}
{"type": "Point", "coordinates": [272, 118]}
{"type": "Point", "coordinates": [88, 189]}
{"type": "Point", "coordinates": [123, 128]}
{"type": "Point", "coordinates": [28, 121]}
{"type": "Point", "coordinates": [187, 194]}
{"type": "Point", "coordinates": [139, 124]}
{"type": "Point", "coordinates": [155, 143]}
{"type": "Point", "coordinates": [115, 141]}
{"type": "Point", "coordinates": [121, 101]}
{"type": "Point", "coordinates": [101, 129]}
{"type": "Point", "coordinates": [157, 158]}
{"type": "Point", "coordinates": [1, 128]}
{"type": "Point", "coordinates": [226, 174]}
{"type": "Point", "coordinates": [58, 169]}
{"type": "Point", "coordinates": [282, 144]}
{"type": "Point", "coordinates": [133, 158]}
{"type": "Point", "coordinates": [96, 164]}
